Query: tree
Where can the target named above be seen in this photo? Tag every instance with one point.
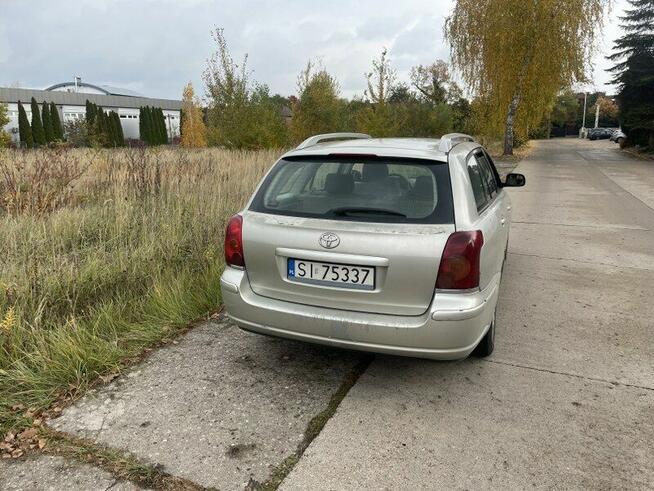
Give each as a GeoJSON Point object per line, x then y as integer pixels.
{"type": "Point", "coordinates": [77, 133]}
{"type": "Point", "coordinates": [152, 126]}
{"type": "Point", "coordinates": [434, 83]}
{"type": "Point", "coordinates": [47, 122]}
{"type": "Point", "coordinates": [112, 136]}
{"type": "Point", "coordinates": [608, 109]}
{"type": "Point", "coordinates": [24, 128]}
{"type": "Point", "coordinates": [380, 80]}
{"type": "Point", "coordinates": [57, 129]}
{"type": "Point", "coordinates": [37, 126]}
{"type": "Point", "coordinates": [634, 72]}
{"type": "Point", "coordinates": [517, 55]}
{"type": "Point", "coordinates": [99, 134]}
{"type": "Point", "coordinates": [5, 138]}
{"type": "Point", "coordinates": [379, 118]}
{"type": "Point", "coordinates": [118, 129]}
{"type": "Point", "coordinates": [192, 128]}
{"type": "Point", "coordinates": [565, 109]}
{"type": "Point", "coordinates": [317, 108]}
{"type": "Point", "coordinates": [228, 94]}
{"type": "Point", "coordinates": [142, 128]}
{"type": "Point", "coordinates": [235, 103]}
{"type": "Point", "coordinates": [145, 125]}
{"type": "Point", "coordinates": [91, 110]}
{"type": "Point", "coordinates": [163, 128]}
{"type": "Point", "coordinates": [270, 130]}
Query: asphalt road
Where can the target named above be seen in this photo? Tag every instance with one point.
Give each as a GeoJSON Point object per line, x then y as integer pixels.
{"type": "Point", "coordinates": [566, 401]}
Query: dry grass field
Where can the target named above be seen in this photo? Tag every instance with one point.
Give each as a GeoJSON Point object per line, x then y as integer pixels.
{"type": "Point", "coordinates": [104, 253]}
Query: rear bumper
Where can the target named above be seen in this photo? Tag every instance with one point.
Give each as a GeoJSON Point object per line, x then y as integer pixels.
{"type": "Point", "coordinates": [450, 329]}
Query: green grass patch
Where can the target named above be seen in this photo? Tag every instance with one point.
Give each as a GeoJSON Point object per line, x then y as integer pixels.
{"type": "Point", "coordinates": [96, 269]}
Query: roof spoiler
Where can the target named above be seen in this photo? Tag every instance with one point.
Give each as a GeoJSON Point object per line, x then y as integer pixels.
{"type": "Point", "coordinates": [449, 141]}
{"type": "Point", "coordinates": [315, 139]}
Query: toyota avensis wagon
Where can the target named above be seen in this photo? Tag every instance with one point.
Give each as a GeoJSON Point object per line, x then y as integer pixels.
{"type": "Point", "coordinates": [391, 245]}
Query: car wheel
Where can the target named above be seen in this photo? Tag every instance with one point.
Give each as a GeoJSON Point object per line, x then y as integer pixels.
{"type": "Point", "coordinates": [487, 343]}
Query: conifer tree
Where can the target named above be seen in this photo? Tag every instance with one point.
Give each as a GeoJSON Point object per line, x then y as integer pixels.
{"type": "Point", "coordinates": [57, 129]}
{"type": "Point", "coordinates": [47, 122]}
{"type": "Point", "coordinates": [152, 126]}
{"type": "Point", "coordinates": [91, 110]}
{"type": "Point", "coordinates": [141, 123]}
{"type": "Point", "coordinates": [164, 120]}
{"type": "Point", "coordinates": [634, 72]}
{"type": "Point", "coordinates": [24, 128]}
{"type": "Point", "coordinates": [151, 131]}
{"type": "Point", "coordinates": [100, 135]}
{"type": "Point", "coordinates": [119, 130]}
{"type": "Point", "coordinates": [37, 126]}
{"type": "Point", "coordinates": [157, 125]}
{"type": "Point", "coordinates": [163, 130]}
{"type": "Point", "coordinates": [112, 138]}
{"type": "Point", "coordinates": [154, 140]}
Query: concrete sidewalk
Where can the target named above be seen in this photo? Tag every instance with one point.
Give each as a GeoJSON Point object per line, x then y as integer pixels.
{"type": "Point", "coordinates": [222, 408]}
{"type": "Point", "coordinates": [567, 399]}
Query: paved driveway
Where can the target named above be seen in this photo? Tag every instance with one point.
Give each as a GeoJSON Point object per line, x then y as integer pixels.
{"type": "Point", "coordinates": [566, 400]}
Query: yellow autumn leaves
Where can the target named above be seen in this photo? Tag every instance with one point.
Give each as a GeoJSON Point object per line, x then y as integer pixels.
{"type": "Point", "coordinates": [194, 131]}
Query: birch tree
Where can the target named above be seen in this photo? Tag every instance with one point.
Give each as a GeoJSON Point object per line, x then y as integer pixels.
{"type": "Point", "coordinates": [517, 55]}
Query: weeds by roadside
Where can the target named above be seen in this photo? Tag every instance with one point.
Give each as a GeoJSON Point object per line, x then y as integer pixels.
{"type": "Point", "coordinates": [122, 465]}
{"type": "Point", "coordinates": [103, 254]}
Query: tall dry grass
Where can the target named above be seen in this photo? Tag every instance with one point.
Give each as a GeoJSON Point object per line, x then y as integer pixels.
{"type": "Point", "coordinates": [103, 253]}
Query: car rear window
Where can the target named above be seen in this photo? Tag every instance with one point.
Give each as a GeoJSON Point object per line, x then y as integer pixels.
{"type": "Point", "coordinates": [358, 189]}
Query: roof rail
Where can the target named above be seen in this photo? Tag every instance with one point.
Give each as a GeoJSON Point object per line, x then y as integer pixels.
{"type": "Point", "coordinates": [315, 139]}
{"type": "Point", "coordinates": [451, 139]}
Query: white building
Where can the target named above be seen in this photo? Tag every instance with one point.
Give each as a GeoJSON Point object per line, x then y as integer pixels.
{"type": "Point", "coordinates": [70, 99]}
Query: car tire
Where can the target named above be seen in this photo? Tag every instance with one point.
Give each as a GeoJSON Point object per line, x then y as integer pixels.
{"type": "Point", "coordinates": [487, 343]}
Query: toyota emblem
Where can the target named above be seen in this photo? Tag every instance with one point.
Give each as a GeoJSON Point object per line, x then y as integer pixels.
{"type": "Point", "coordinates": [329, 240]}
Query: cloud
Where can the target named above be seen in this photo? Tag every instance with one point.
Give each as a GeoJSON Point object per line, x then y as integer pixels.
{"type": "Point", "coordinates": [156, 46]}
{"type": "Point", "coordinates": [5, 50]}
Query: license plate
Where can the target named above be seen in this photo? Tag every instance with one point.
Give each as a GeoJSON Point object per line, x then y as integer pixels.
{"type": "Point", "coordinates": [331, 274]}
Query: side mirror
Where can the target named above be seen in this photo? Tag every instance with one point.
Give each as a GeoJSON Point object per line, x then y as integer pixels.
{"type": "Point", "coordinates": [514, 181]}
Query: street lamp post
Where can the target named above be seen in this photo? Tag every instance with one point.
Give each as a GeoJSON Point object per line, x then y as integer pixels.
{"type": "Point", "coordinates": [583, 118]}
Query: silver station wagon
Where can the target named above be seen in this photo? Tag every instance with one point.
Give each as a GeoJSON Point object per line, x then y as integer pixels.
{"type": "Point", "coordinates": [392, 245]}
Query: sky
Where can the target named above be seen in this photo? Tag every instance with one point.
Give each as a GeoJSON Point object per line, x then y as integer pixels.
{"type": "Point", "coordinates": [154, 47]}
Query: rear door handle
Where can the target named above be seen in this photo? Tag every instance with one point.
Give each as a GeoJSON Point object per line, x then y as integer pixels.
{"type": "Point", "coordinates": [508, 208]}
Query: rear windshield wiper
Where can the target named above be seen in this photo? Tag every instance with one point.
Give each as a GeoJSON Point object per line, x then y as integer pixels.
{"type": "Point", "coordinates": [359, 210]}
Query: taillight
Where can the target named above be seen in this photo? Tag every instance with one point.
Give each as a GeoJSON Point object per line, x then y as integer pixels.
{"type": "Point", "coordinates": [459, 269]}
{"type": "Point", "coordinates": [234, 242]}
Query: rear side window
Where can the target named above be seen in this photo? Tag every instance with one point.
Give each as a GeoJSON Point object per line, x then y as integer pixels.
{"type": "Point", "coordinates": [488, 175]}
{"type": "Point", "coordinates": [479, 184]}
{"type": "Point", "coordinates": [358, 189]}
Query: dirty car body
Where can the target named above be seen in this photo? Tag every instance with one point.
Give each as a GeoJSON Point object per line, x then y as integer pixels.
{"type": "Point", "coordinates": [389, 245]}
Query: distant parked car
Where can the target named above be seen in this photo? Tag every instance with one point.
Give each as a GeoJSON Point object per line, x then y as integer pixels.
{"type": "Point", "coordinates": [618, 136]}
{"type": "Point", "coordinates": [599, 133]}
{"type": "Point", "coordinates": [392, 245]}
